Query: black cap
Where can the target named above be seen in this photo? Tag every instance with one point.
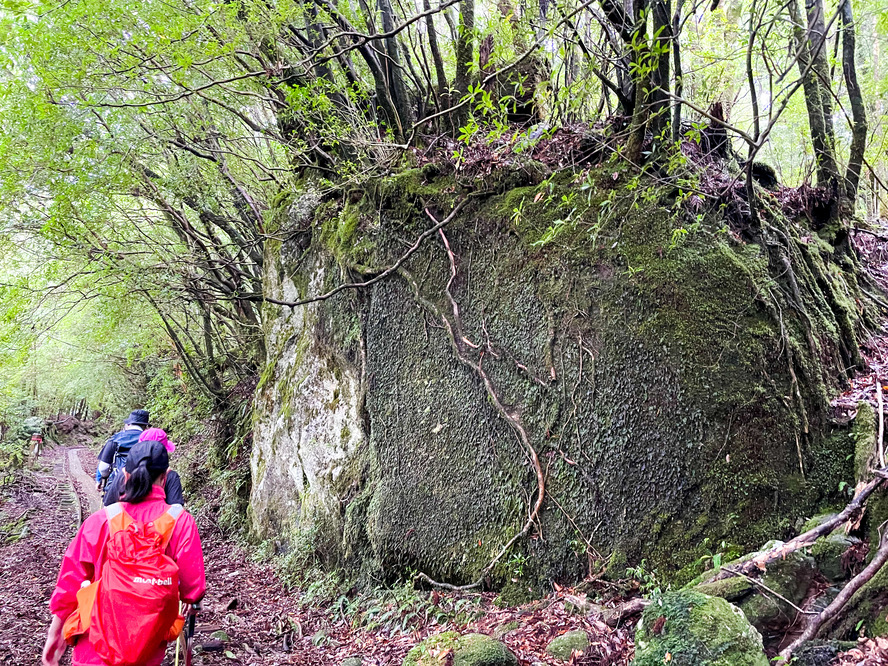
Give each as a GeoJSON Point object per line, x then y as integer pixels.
{"type": "Point", "coordinates": [137, 417]}
{"type": "Point", "coordinates": [155, 455]}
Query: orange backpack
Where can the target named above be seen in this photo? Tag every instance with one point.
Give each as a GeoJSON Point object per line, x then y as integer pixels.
{"type": "Point", "coordinates": [133, 607]}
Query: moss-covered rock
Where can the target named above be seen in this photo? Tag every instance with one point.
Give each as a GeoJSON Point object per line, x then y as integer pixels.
{"type": "Point", "coordinates": [563, 646]}
{"type": "Point", "coordinates": [828, 553]}
{"type": "Point", "coordinates": [432, 650]}
{"type": "Point", "coordinates": [789, 577]}
{"type": "Point", "coordinates": [467, 650]}
{"type": "Point", "coordinates": [646, 357]}
{"type": "Point", "coordinates": [687, 628]}
{"type": "Point", "coordinates": [481, 650]}
{"type": "Point", "coordinates": [819, 652]}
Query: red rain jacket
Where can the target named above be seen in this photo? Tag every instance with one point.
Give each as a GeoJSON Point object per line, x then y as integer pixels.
{"type": "Point", "coordinates": [86, 554]}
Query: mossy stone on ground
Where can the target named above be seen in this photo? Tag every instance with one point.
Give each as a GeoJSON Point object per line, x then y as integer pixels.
{"type": "Point", "coordinates": [504, 629]}
{"type": "Point", "coordinates": [352, 661]}
{"type": "Point", "coordinates": [468, 650]}
{"type": "Point", "coordinates": [427, 652]}
{"type": "Point", "coordinates": [828, 552]}
{"type": "Point", "coordinates": [688, 628]}
{"type": "Point", "coordinates": [820, 653]}
{"type": "Point", "coordinates": [789, 577]}
{"type": "Point", "coordinates": [565, 645]}
{"type": "Point", "coordinates": [481, 650]}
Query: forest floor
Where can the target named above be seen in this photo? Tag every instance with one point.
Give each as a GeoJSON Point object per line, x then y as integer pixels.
{"type": "Point", "coordinates": [248, 615]}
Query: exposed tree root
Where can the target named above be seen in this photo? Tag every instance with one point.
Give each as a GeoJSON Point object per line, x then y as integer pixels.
{"type": "Point", "coordinates": [465, 350]}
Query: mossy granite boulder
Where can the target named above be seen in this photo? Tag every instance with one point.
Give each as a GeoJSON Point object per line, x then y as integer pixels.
{"type": "Point", "coordinates": [687, 628]}
{"type": "Point", "coordinates": [648, 369]}
{"type": "Point", "coordinates": [468, 650]}
{"type": "Point", "coordinates": [790, 577]}
{"type": "Point", "coordinates": [563, 646]}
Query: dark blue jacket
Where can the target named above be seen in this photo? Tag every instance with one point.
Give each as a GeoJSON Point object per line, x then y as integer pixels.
{"type": "Point", "coordinates": [116, 449]}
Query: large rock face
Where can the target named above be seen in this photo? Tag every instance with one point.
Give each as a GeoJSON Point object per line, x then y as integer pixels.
{"type": "Point", "coordinates": [669, 380]}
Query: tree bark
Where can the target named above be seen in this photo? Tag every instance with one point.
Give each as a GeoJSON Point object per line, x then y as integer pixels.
{"type": "Point", "coordinates": [663, 40]}
{"type": "Point", "coordinates": [394, 74]}
{"type": "Point", "coordinates": [821, 134]}
{"type": "Point", "coordinates": [858, 108]}
{"type": "Point", "coordinates": [440, 75]}
{"type": "Point", "coordinates": [465, 57]}
{"type": "Point", "coordinates": [679, 73]}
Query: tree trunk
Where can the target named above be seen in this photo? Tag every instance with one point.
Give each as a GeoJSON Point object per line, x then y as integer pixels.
{"type": "Point", "coordinates": [679, 73]}
{"type": "Point", "coordinates": [663, 39]}
{"type": "Point", "coordinates": [394, 74]}
{"type": "Point", "coordinates": [858, 109]}
{"type": "Point", "coordinates": [821, 138]}
{"type": "Point", "coordinates": [440, 75]}
{"type": "Point", "coordinates": [465, 56]}
{"type": "Point", "coordinates": [643, 81]}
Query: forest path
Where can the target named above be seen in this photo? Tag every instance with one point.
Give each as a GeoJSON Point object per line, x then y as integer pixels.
{"type": "Point", "coordinates": [248, 617]}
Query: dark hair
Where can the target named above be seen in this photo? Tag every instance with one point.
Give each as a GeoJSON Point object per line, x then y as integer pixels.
{"type": "Point", "coordinates": [145, 463]}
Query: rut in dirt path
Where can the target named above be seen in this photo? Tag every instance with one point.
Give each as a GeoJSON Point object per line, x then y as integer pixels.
{"type": "Point", "coordinates": [39, 513]}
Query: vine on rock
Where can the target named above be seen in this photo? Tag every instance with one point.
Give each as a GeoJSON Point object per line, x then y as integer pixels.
{"type": "Point", "coordinates": [472, 356]}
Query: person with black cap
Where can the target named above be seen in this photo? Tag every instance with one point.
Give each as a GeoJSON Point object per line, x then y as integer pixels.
{"type": "Point", "coordinates": [113, 455]}
{"type": "Point", "coordinates": [111, 542]}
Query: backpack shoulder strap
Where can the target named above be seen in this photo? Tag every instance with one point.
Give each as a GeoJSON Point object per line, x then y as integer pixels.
{"type": "Point", "coordinates": [118, 519]}
{"type": "Point", "coordinates": [165, 523]}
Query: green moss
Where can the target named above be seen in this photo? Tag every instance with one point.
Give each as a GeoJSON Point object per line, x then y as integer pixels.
{"type": "Point", "coordinates": [426, 653]}
{"type": "Point", "coordinates": [863, 433]}
{"type": "Point", "coordinates": [828, 552]}
{"type": "Point", "coordinates": [566, 644]}
{"type": "Point", "coordinates": [648, 352]}
{"type": "Point", "coordinates": [729, 589]}
{"type": "Point", "coordinates": [468, 650]}
{"type": "Point", "coordinates": [480, 650]}
{"type": "Point", "coordinates": [696, 630]}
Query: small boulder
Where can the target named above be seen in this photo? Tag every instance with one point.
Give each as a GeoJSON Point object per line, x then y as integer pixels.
{"type": "Point", "coordinates": [351, 661]}
{"type": "Point", "coordinates": [828, 552]}
{"type": "Point", "coordinates": [689, 628]}
{"type": "Point", "coordinates": [565, 645]}
{"type": "Point", "coordinates": [789, 577]}
{"type": "Point", "coordinates": [468, 650]}
{"type": "Point", "coordinates": [481, 650]}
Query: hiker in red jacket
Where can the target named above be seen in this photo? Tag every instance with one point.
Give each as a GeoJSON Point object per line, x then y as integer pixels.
{"type": "Point", "coordinates": [96, 551]}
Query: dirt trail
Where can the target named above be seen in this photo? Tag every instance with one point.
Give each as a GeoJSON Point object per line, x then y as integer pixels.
{"type": "Point", "coordinates": [83, 482]}
{"type": "Point", "coordinates": [38, 516]}
{"type": "Point", "coordinates": [248, 617]}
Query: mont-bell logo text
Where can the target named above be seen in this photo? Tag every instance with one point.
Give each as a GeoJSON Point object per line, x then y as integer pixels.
{"type": "Point", "coordinates": [152, 581]}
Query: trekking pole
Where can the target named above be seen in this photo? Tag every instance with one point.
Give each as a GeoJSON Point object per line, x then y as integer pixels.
{"type": "Point", "coordinates": [189, 633]}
